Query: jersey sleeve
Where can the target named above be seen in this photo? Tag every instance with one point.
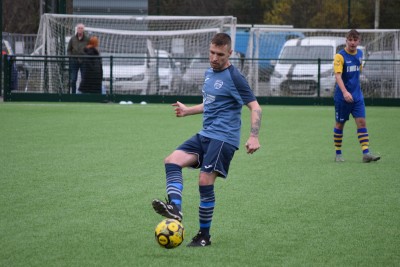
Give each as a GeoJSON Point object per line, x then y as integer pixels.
{"type": "Point", "coordinates": [338, 63]}
{"type": "Point", "coordinates": [243, 87]}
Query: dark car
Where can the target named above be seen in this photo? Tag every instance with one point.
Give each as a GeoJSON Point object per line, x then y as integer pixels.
{"type": "Point", "coordinates": [379, 74]}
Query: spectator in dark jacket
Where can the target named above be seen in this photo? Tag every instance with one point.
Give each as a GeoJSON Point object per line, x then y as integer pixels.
{"type": "Point", "coordinates": [92, 74]}
{"type": "Point", "coordinates": [76, 45]}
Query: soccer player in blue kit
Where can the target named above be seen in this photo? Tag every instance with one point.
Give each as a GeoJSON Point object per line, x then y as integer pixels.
{"type": "Point", "coordinates": [348, 96]}
{"type": "Point", "coordinates": [225, 91]}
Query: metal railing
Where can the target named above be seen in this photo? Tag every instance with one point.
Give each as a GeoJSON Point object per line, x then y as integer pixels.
{"type": "Point", "coordinates": [123, 75]}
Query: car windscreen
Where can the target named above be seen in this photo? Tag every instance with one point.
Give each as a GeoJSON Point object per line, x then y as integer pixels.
{"type": "Point", "coordinates": [305, 54]}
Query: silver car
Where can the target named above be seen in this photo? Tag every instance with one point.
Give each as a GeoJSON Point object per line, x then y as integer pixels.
{"type": "Point", "coordinates": [379, 74]}
{"type": "Point", "coordinates": [193, 78]}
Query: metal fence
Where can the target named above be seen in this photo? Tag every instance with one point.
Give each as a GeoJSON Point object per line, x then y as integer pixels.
{"type": "Point", "coordinates": [299, 50]}
{"type": "Point", "coordinates": [142, 75]}
{"type": "Point", "coordinates": [258, 57]}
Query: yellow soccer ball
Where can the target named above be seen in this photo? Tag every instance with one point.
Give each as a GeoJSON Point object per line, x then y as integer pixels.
{"type": "Point", "coordinates": [169, 233]}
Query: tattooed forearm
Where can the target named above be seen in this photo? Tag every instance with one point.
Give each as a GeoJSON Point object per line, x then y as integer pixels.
{"type": "Point", "coordinates": [256, 122]}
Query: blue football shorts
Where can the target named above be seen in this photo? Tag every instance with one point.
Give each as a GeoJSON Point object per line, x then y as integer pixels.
{"type": "Point", "coordinates": [213, 155]}
{"type": "Point", "coordinates": [344, 109]}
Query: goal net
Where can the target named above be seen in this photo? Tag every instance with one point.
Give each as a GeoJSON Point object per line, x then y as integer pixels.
{"type": "Point", "coordinates": [124, 36]}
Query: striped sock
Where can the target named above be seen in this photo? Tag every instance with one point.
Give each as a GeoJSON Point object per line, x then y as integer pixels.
{"type": "Point", "coordinates": [363, 138]}
{"type": "Point", "coordinates": [206, 208]}
{"type": "Point", "coordinates": [337, 139]}
{"type": "Point", "coordinates": [174, 184]}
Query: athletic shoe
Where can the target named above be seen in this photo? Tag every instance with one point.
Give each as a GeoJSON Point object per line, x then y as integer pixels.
{"type": "Point", "coordinates": [370, 157]}
{"type": "Point", "coordinates": [339, 158]}
{"type": "Point", "coordinates": [167, 209]}
{"type": "Point", "coordinates": [200, 241]}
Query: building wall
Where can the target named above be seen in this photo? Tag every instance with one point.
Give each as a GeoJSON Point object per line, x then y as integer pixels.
{"type": "Point", "coordinates": [107, 7]}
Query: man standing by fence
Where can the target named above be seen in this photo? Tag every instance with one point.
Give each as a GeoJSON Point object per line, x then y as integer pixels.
{"type": "Point", "coordinates": [76, 45]}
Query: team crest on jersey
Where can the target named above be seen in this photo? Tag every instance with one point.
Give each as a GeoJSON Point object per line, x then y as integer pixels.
{"type": "Point", "coordinates": [218, 84]}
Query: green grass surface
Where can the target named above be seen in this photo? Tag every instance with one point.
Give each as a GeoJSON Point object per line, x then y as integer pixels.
{"type": "Point", "coordinates": [77, 180]}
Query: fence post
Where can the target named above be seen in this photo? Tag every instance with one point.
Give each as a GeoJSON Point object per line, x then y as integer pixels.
{"type": "Point", "coordinates": [7, 78]}
{"type": "Point", "coordinates": [1, 41]}
{"type": "Point", "coordinates": [1, 74]}
{"type": "Point", "coordinates": [111, 75]}
{"type": "Point", "coordinates": [319, 79]}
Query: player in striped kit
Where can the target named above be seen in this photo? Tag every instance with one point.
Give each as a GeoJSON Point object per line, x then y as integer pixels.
{"type": "Point", "coordinates": [348, 96]}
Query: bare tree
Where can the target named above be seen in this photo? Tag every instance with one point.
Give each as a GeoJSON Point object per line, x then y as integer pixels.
{"type": "Point", "coordinates": [20, 16]}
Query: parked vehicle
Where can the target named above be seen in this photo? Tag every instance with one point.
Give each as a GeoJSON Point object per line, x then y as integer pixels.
{"type": "Point", "coordinates": [169, 73]}
{"type": "Point", "coordinates": [136, 73]}
{"type": "Point", "coordinates": [266, 46]}
{"type": "Point", "coordinates": [193, 78]}
{"type": "Point", "coordinates": [129, 72]}
{"type": "Point", "coordinates": [379, 74]}
{"type": "Point", "coordinates": [296, 72]}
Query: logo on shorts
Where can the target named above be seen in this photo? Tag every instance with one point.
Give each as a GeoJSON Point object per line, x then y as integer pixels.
{"type": "Point", "coordinates": [208, 166]}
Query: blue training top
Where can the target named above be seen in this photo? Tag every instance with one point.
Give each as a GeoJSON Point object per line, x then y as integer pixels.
{"type": "Point", "coordinates": [224, 94]}
{"type": "Point", "coordinates": [351, 68]}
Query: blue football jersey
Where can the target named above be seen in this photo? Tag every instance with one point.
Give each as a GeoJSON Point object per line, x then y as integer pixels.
{"type": "Point", "coordinates": [351, 65]}
{"type": "Point", "coordinates": [224, 94]}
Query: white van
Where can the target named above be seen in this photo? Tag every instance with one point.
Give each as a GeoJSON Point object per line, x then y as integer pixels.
{"type": "Point", "coordinates": [296, 72]}
{"type": "Point", "coordinates": [136, 73]}
{"type": "Point", "coordinates": [130, 72]}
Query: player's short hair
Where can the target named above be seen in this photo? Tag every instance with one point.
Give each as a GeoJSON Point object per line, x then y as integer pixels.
{"type": "Point", "coordinates": [353, 34]}
{"type": "Point", "coordinates": [221, 39]}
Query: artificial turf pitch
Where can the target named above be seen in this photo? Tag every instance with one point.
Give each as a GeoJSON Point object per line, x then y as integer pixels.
{"type": "Point", "coordinates": [77, 181]}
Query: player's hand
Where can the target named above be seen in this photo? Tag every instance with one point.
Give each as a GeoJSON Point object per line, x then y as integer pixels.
{"type": "Point", "coordinates": [180, 109]}
{"type": "Point", "coordinates": [252, 145]}
{"type": "Point", "coordinates": [348, 97]}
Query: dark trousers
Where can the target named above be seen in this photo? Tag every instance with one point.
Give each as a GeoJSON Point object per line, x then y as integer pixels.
{"type": "Point", "coordinates": [74, 67]}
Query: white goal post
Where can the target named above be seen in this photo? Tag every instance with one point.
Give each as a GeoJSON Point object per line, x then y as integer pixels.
{"type": "Point", "coordinates": [181, 36]}
{"type": "Point", "coordinates": [119, 32]}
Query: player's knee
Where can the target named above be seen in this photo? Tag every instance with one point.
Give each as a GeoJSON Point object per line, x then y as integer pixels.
{"type": "Point", "coordinates": [207, 178]}
{"type": "Point", "coordinates": [167, 159]}
{"type": "Point", "coordinates": [171, 158]}
{"type": "Point", "coordinates": [361, 123]}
